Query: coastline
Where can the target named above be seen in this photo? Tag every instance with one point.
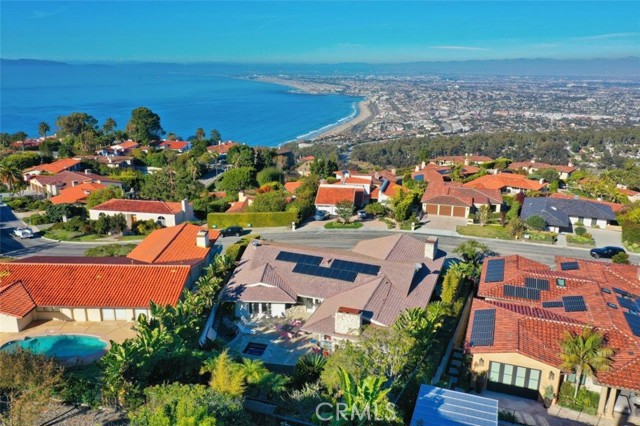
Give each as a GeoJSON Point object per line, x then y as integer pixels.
{"type": "Point", "coordinates": [364, 112]}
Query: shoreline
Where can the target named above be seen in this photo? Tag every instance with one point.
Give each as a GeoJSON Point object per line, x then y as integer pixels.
{"type": "Point", "coordinates": [364, 112]}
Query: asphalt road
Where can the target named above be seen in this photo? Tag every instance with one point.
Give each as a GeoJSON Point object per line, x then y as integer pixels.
{"type": "Point", "coordinates": [315, 237]}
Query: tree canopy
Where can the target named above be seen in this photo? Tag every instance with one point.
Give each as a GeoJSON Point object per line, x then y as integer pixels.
{"type": "Point", "coordinates": [144, 125]}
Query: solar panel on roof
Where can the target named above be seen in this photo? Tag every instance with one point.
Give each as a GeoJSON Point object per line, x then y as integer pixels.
{"type": "Point", "coordinates": [612, 305]}
{"type": "Point", "coordinates": [574, 304]}
{"type": "Point", "coordinates": [554, 304]}
{"type": "Point", "coordinates": [321, 271]}
{"type": "Point", "coordinates": [606, 290]}
{"type": "Point", "coordinates": [495, 271]}
{"type": "Point", "coordinates": [539, 283]}
{"type": "Point", "coordinates": [419, 178]}
{"type": "Point", "coordinates": [521, 292]}
{"type": "Point", "coordinates": [634, 323]}
{"type": "Point", "coordinates": [287, 256]}
{"type": "Point", "coordinates": [361, 268]}
{"type": "Point", "coordinates": [483, 327]}
{"type": "Point", "coordinates": [385, 185]}
{"type": "Point", "coordinates": [622, 292]}
{"type": "Point", "coordinates": [569, 266]}
{"type": "Point", "coordinates": [628, 304]}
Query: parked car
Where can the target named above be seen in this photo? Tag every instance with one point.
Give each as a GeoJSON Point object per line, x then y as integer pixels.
{"type": "Point", "coordinates": [363, 215]}
{"type": "Point", "coordinates": [321, 215]}
{"type": "Point", "coordinates": [23, 232]}
{"type": "Point", "coordinates": [606, 252]}
{"type": "Point", "coordinates": [232, 230]}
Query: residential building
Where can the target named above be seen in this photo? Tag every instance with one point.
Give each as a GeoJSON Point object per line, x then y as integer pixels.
{"type": "Point", "coordinates": [58, 166]}
{"type": "Point", "coordinates": [342, 290]}
{"type": "Point", "coordinates": [532, 166]}
{"type": "Point", "coordinates": [292, 187]}
{"type": "Point", "coordinates": [104, 288]}
{"type": "Point", "coordinates": [466, 159]}
{"type": "Point", "coordinates": [77, 193]}
{"type": "Point", "coordinates": [387, 190]}
{"type": "Point", "coordinates": [222, 148]}
{"type": "Point", "coordinates": [506, 183]}
{"type": "Point", "coordinates": [631, 195]}
{"type": "Point", "coordinates": [329, 195]}
{"type": "Point", "coordinates": [52, 185]}
{"type": "Point", "coordinates": [562, 214]}
{"type": "Point", "coordinates": [162, 212]}
{"type": "Point", "coordinates": [111, 161]}
{"type": "Point", "coordinates": [524, 310]}
{"type": "Point", "coordinates": [178, 146]}
{"type": "Point", "coordinates": [616, 207]}
{"type": "Point", "coordinates": [453, 199]}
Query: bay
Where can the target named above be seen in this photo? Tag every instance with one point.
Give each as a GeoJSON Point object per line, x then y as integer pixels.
{"type": "Point", "coordinates": [185, 97]}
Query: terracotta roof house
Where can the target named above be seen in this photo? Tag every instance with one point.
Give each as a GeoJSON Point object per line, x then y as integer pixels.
{"type": "Point", "coordinates": [453, 199]}
{"type": "Point", "coordinates": [121, 148]}
{"type": "Point", "coordinates": [450, 160]}
{"type": "Point", "coordinates": [179, 146]}
{"type": "Point", "coordinates": [76, 193]}
{"type": "Point", "coordinates": [524, 308]}
{"type": "Point", "coordinates": [631, 195]}
{"type": "Point", "coordinates": [562, 214]}
{"type": "Point", "coordinates": [111, 161]}
{"type": "Point", "coordinates": [104, 289]}
{"type": "Point", "coordinates": [222, 148]}
{"type": "Point", "coordinates": [54, 184]}
{"type": "Point", "coordinates": [386, 191]}
{"type": "Point", "coordinates": [506, 183]}
{"type": "Point", "coordinates": [162, 212]}
{"type": "Point", "coordinates": [533, 166]}
{"type": "Point", "coordinates": [343, 290]}
{"type": "Point", "coordinates": [52, 168]}
{"type": "Point", "coordinates": [431, 171]}
{"type": "Point", "coordinates": [292, 187]}
{"type": "Point", "coordinates": [329, 195]}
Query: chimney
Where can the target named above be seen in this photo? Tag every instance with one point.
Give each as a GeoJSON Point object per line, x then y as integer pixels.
{"type": "Point", "coordinates": [466, 161]}
{"type": "Point", "coordinates": [570, 164]}
{"type": "Point", "coordinates": [417, 168]}
{"type": "Point", "coordinates": [393, 172]}
{"type": "Point", "coordinates": [348, 321]}
{"type": "Point", "coordinates": [638, 273]}
{"type": "Point", "coordinates": [431, 248]}
{"type": "Point", "coordinates": [424, 164]}
{"type": "Point", "coordinates": [74, 182]}
{"type": "Point", "coordinates": [541, 181]}
{"type": "Point", "coordinates": [533, 161]}
{"type": "Point", "coordinates": [187, 208]}
{"type": "Point", "coordinates": [87, 171]}
{"type": "Point", "coordinates": [202, 238]}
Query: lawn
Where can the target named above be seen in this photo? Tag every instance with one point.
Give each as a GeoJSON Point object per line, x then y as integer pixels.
{"type": "Point", "coordinates": [340, 225]}
{"type": "Point", "coordinates": [63, 235]}
{"type": "Point", "coordinates": [581, 241]}
{"type": "Point", "coordinates": [489, 231]}
{"type": "Point", "coordinates": [131, 237]}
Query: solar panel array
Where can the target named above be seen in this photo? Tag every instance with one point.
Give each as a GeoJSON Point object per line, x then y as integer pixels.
{"type": "Point", "coordinates": [521, 292]}
{"type": "Point", "coordinates": [606, 290]}
{"type": "Point", "coordinates": [622, 292]}
{"type": "Point", "coordinates": [484, 322]}
{"type": "Point", "coordinates": [444, 407]}
{"type": "Point", "coordinates": [634, 322]}
{"type": "Point", "coordinates": [321, 271]}
{"type": "Point", "coordinates": [612, 305]}
{"type": "Point", "coordinates": [569, 266]}
{"type": "Point", "coordinates": [552, 304]}
{"type": "Point", "coordinates": [360, 268]}
{"type": "Point", "coordinates": [287, 256]}
{"type": "Point", "coordinates": [539, 283]}
{"type": "Point", "coordinates": [630, 304]}
{"type": "Point", "coordinates": [574, 304]}
{"type": "Point", "coordinates": [495, 271]}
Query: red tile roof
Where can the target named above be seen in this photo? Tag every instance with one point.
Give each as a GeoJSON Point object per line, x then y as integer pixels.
{"type": "Point", "coordinates": [76, 194]}
{"type": "Point", "coordinates": [292, 187]}
{"type": "Point", "coordinates": [55, 167]}
{"type": "Point", "coordinates": [139, 206]}
{"type": "Point", "coordinates": [330, 195]}
{"type": "Point", "coordinates": [175, 245]}
{"type": "Point", "coordinates": [174, 145]}
{"type": "Point", "coordinates": [222, 148]}
{"type": "Point", "coordinates": [504, 180]}
{"type": "Point", "coordinates": [15, 300]}
{"type": "Point", "coordinates": [66, 178]}
{"type": "Point", "coordinates": [529, 328]}
{"type": "Point", "coordinates": [126, 145]}
{"type": "Point", "coordinates": [454, 194]}
{"type": "Point", "coordinates": [95, 285]}
{"type": "Point", "coordinates": [540, 166]}
{"type": "Point", "coordinates": [238, 206]}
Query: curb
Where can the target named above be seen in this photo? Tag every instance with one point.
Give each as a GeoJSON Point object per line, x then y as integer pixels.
{"type": "Point", "coordinates": [90, 242]}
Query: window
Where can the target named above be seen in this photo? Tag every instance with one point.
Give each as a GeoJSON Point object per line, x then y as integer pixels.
{"type": "Point", "coordinates": [161, 221]}
{"type": "Point", "coordinates": [594, 221]}
{"type": "Point", "coordinates": [494, 373]}
{"type": "Point", "coordinates": [514, 375]}
{"type": "Point", "coordinates": [534, 379]}
{"type": "Point", "coordinates": [571, 378]}
{"type": "Point", "coordinates": [520, 376]}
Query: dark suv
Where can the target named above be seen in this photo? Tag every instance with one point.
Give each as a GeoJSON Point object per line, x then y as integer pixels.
{"type": "Point", "coordinates": [606, 252]}
{"type": "Point", "coordinates": [232, 230]}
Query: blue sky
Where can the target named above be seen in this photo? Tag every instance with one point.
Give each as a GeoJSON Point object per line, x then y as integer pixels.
{"type": "Point", "coordinates": [317, 32]}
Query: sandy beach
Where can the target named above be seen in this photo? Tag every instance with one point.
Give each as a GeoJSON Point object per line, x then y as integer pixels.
{"type": "Point", "coordinates": [364, 112]}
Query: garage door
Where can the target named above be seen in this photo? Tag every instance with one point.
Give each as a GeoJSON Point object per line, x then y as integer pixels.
{"type": "Point", "coordinates": [459, 211]}
{"type": "Point", "coordinates": [514, 380]}
{"type": "Point", "coordinates": [432, 209]}
{"type": "Point", "coordinates": [445, 210]}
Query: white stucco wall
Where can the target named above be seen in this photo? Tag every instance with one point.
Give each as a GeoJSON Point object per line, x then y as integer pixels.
{"type": "Point", "coordinates": [601, 223]}
{"type": "Point", "coordinates": [170, 220]}
{"type": "Point", "coordinates": [277, 309]}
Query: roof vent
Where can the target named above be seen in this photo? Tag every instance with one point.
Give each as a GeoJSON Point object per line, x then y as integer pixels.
{"type": "Point", "coordinates": [418, 266]}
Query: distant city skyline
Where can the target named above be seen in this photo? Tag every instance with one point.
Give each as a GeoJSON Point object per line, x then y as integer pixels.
{"type": "Point", "coordinates": [317, 32]}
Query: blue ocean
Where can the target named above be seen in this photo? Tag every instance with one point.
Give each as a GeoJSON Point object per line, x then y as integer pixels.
{"type": "Point", "coordinates": [185, 97]}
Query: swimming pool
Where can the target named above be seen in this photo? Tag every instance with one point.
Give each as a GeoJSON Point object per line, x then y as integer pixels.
{"type": "Point", "coordinates": [60, 346]}
{"type": "Point", "coordinates": [255, 349]}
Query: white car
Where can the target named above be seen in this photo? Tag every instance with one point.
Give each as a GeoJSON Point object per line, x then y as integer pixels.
{"type": "Point", "coordinates": [23, 232]}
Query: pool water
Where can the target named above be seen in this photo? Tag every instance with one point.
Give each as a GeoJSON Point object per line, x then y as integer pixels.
{"type": "Point", "coordinates": [60, 346]}
{"type": "Point", "coordinates": [255, 349]}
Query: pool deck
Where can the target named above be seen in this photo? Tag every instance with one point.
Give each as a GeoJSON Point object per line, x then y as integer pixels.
{"type": "Point", "coordinates": [117, 331]}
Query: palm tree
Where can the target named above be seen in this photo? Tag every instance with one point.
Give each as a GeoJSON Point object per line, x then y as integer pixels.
{"type": "Point", "coordinates": [11, 177]}
{"type": "Point", "coordinates": [585, 353]}
{"type": "Point", "coordinates": [43, 129]}
{"type": "Point", "coordinates": [254, 371]}
{"type": "Point", "coordinates": [368, 392]}
{"type": "Point", "coordinates": [422, 323]}
{"type": "Point", "coordinates": [227, 377]}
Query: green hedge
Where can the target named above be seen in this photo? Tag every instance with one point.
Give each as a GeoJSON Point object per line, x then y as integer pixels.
{"type": "Point", "coordinates": [340, 225]}
{"type": "Point", "coordinates": [256, 220]}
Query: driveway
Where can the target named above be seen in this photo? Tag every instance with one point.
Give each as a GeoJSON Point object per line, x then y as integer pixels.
{"type": "Point", "coordinates": [604, 237]}
{"type": "Point", "coordinates": [443, 225]}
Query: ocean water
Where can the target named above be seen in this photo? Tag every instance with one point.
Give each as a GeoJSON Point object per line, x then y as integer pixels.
{"type": "Point", "coordinates": [184, 96]}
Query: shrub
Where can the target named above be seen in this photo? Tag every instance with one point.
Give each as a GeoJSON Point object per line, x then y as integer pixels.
{"type": "Point", "coordinates": [622, 258]}
{"type": "Point", "coordinates": [536, 222]}
{"type": "Point", "coordinates": [580, 231]}
{"type": "Point", "coordinates": [631, 232]}
{"type": "Point", "coordinates": [268, 175]}
{"type": "Point", "coordinates": [257, 219]}
{"type": "Point", "coordinates": [340, 225]}
{"type": "Point", "coordinates": [586, 400]}
{"type": "Point", "coordinates": [376, 209]}
{"type": "Point", "coordinates": [110, 250]}
{"type": "Point", "coordinates": [37, 219]}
